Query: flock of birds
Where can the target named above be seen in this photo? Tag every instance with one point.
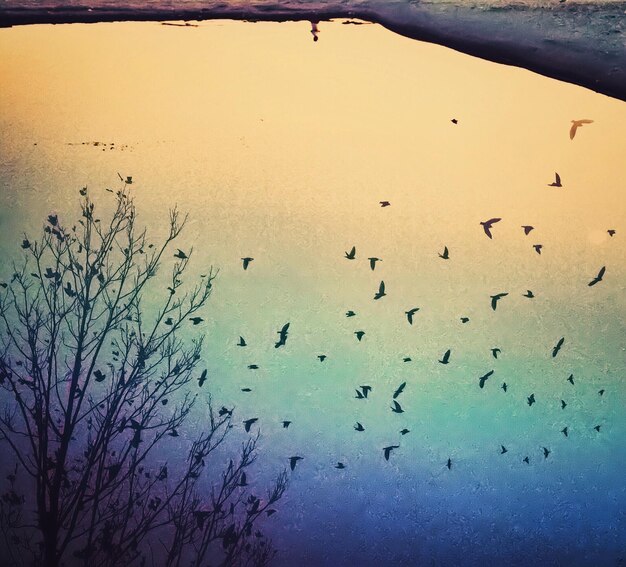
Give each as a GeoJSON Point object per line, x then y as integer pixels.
{"type": "Point", "coordinates": [363, 391]}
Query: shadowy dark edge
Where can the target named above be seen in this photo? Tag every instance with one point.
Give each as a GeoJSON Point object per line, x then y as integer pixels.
{"type": "Point", "coordinates": [605, 74]}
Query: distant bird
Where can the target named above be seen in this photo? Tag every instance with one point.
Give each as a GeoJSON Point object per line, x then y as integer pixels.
{"type": "Point", "coordinates": [322, 357]}
{"type": "Point", "coordinates": [406, 359]}
{"type": "Point", "coordinates": [225, 411]}
{"type": "Point", "coordinates": [484, 378]}
{"type": "Point", "coordinates": [495, 352]}
{"type": "Point", "coordinates": [173, 433]}
{"type": "Point", "coordinates": [68, 290]}
{"type": "Point", "coordinates": [464, 319]}
{"type": "Point", "coordinates": [373, 262]}
{"type": "Point", "coordinates": [527, 228]}
{"type": "Point", "coordinates": [597, 428]}
{"type": "Point", "coordinates": [381, 291]}
{"type": "Point", "coordinates": [246, 389]}
{"type": "Point", "coordinates": [563, 404]}
{"type": "Point", "coordinates": [570, 379]}
{"type": "Point", "coordinates": [293, 461]}
{"type": "Point", "coordinates": [449, 464]}
{"type": "Point", "coordinates": [399, 390]}
{"type": "Point", "coordinates": [577, 124]}
{"type": "Point", "coordinates": [546, 452]}
{"type": "Point", "coordinates": [529, 294]}
{"type": "Point", "coordinates": [25, 244]}
{"type": "Point", "coordinates": [340, 466]}
{"type": "Point", "coordinates": [98, 376]}
{"type": "Point", "coordinates": [396, 408]}
{"type": "Point", "coordinates": [350, 313]}
{"type": "Point", "coordinates": [253, 367]}
{"type": "Point", "coordinates": [526, 460]}
{"type": "Point", "coordinates": [180, 255]}
{"type": "Point", "coordinates": [445, 255]}
{"type": "Point", "coordinates": [359, 395]}
{"type": "Point", "coordinates": [359, 427]}
{"type": "Point", "coordinates": [454, 121]}
{"type": "Point", "coordinates": [496, 298]}
{"type": "Point", "coordinates": [249, 422]}
{"type": "Point", "coordinates": [387, 450]}
{"type": "Point", "coordinates": [246, 262]}
{"type": "Point", "coordinates": [504, 387]}
{"type": "Point", "coordinates": [384, 203]}
{"type": "Point", "coordinates": [531, 399]}
{"type": "Point", "coordinates": [503, 450]}
{"type": "Point", "coordinates": [366, 390]}
{"type": "Point", "coordinates": [538, 248]}
{"type": "Point", "coordinates": [53, 219]}
{"type": "Point", "coordinates": [282, 338]}
{"type": "Point", "coordinates": [557, 347]}
{"type": "Point", "coordinates": [243, 480]}
{"type": "Point", "coordinates": [556, 182]}
{"type": "Point", "coordinates": [202, 378]}
{"type": "Point", "coordinates": [196, 320]}
{"type": "Point", "coordinates": [405, 431]}
{"type": "Point", "coordinates": [488, 224]}
{"type": "Point", "coordinates": [359, 335]}
{"type": "Point", "coordinates": [601, 392]}
{"type": "Point", "coordinates": [352, 254]}
{"type": "Point", "coordinates": [445, 359]}
{"type": "Point", "coordinates": [409, 314]}
{"type": "Point", "coordinates": [286, 424]}
{"type": "Point", "coordinates": [598, 278]}
{"type": "Point", "coordinates": [611, 232]}
{"type": "Point", "coordinates": [564, 431]}
{"type": "Point", "coordinates": [128, 180]}
{"type": "Point", "coordinates": [242, 342]}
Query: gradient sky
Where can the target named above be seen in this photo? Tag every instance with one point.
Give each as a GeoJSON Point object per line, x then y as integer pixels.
{"type": "Point", "coordinates": [281, 149]}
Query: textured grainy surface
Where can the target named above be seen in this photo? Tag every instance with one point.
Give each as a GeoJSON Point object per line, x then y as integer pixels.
{"type": "Point", "coordinates": [281, 149]}
{"type": "Point", "coordinates": [574, 41]}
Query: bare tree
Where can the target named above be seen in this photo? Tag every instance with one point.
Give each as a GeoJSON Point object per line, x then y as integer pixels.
{"type": "Point", "coordinates": [96, 387]}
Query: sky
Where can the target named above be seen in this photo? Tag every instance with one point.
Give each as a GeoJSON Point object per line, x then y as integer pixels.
{"type": "Point", "coordinates": [281, 149]}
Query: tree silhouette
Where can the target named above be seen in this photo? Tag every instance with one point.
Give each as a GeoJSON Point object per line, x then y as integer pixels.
{"type": "Point", "coordinates": [97, 384]}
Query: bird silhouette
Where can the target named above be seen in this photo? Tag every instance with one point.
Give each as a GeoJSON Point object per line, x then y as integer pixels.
{"type": "Point", "coordinates": [381, 291]}
{"type": "Point", "coordinates": [409, 314]}
{"type": "Point", "coordinates": [449, 464]}
{"type": "Point", "coordinates": [180, 254]}
{"type": "Point", "coordinates": [399, 390]}
{"type": "Point", "coordinates": [445, 255]}
{"type": "Point", "coordinates": [366, 390]}
{"type": "Point", "coordinates": [98, 376]}
{"type": "Point", "coordinates": [504, 386]}
{"type": "Point", "coordinates": [598, 278]}
{"type": "Point", "coordinates": [246, 262]}
{"type": "Point", "coordinates": [384, 203]}
{"type": "Point", "coordinates": [527, 228]}
{"type": "Point", "coordinates": [454, 121]}
{"type": "Point", "coordinates": [322, 357]}
{"type": "Point", "coordinates": [570, 379]}
{"type": "Point", "coordinates": [249, 422]}
{"type": "Point", "coordinates": [601, 392]}
{"type": "Point", "coordinates": [373, 262]}
{"type": "Point", "coordinates": [564, 431]}
{"type": "Point", "coordinates": [563, 404]}
{"type": "Point", "coordinates": [557, 347]}
{"type": "Point", "coordinates": [529, 294]}
{"type": "Point", "coordinates": [350, 313]}
{"type": "Point", "coordinates": [526, 460]}
{"type": "Point", "coordinates": [495, 352]}
{"type": "Point", "coordinates": [556, 182]}
{"type": "Point", "coordinates": [246, 389]}
{"type": "Point", "coordinates": [445, 359]}
{"type": "Point", "coordinates": [242, 342]}
{"type": "Point", "coordinates": [387, 450]}
{"type": "Point", "coordinates": [546, 452]}
{"type": "Point", "coordinates": [243, 480]}
{"type": "Point", "coordinates": [282, 339]}
{"type": "Point", "coordinates": [405, 431]}
{"type": "Point", "coordinates": [286, 424]}
{"type": "Point", "coordinates": [173, 433]}
{"type": "Point", "coordinates": [484, 378]}
{"type": "Point", "coordinates": [202, 378]}
{"type": "Point", "coordinates": [396, 408]}
{"type": "Point", "coordinates": [538, 248]}
{"type": "Point", "coordinates": [359, 427]}
{"type": "Point", "coordinates": [196, 320]}
{"type": "Point", "coordinates": [503, 450]}
{"type": "Point", "coordinates": [464, 319]}
{"type": "Point", "coordinates": [496, 298]}
{"type": "Point", "coordinates": [169, 321]}
{"type": "Point", "coordinates": [577, 124]}
{"type": "Point", "coordinates": [488, 224]}
{"type": "Point", "coordinates": [25, 243]}
{"type": "Point", "coordinates": [359, 335]}
{"type": "Point", "coordinates": [531, 399]}
{"type": "Point", "coordinates": [53, 219]}
{"type": "Point", "coordinates": [225, 411]}
{"type": "Point", "coordinates": [611, 232]}
{"type": "Point", "coordinates": [253, 366]}
{"type": "Point", "coordinates": [340, 466]}
{"type": "Point", "coordinates": [597, 428]}
{"type": "Point", "coordinates": [293, 461]}
{"type": "Point", "coordinates": [406, 359]}
{"type": "Point", "coordinates": [359, 395]}
{"type": "Point", "coordinates": [352, 254]}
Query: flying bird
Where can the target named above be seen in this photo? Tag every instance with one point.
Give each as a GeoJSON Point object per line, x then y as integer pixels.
{"type": "Point", "coordinates": [381, 291]}
{"type": "Point", "coordinates": [352, 254]}
{"type": "Point", "coordinates": [449, 464]}
{"type": "Point", "coordinates": [503, 450]}
{"type": "Point", "coordinates": [496, 298]}
{"type": "Point", "coordinates": [611, 232]}
{"type": "Point", "coordinates": [25, 244]}
{"type": "Point", "coordinates": [529, 294]}
{"type": "Point", "coordinates": [446, 357]}
{"type": "Point", "coordinates": [246, 389]}
{"type": "Point", "coordinates": [253, 366]}
{"type": "Point", "coordinates": [597, 428]}
{"type": "Point", "coordinates": [564, 431]}
{"type": "Point", "coordinates": [530, 399]}
{"type": "Point", "coordinates": [282, 339]}
{"type": "Point", "coordinates": [405, 431]}
{"type": "Point", "coordinates": [454, 121]}
{"type": "Point", "coordinates": [242, 342]}
{"type": "Point", "coordinates": [387, 450]}
{"type": "Point", "coordinates": [484, 378]}
{"type": "Point", "coordinates": [340, 466]}
{"type": "Point", "coordinates": [359, 427]}
{"type": "Point", "coordinates": [373, 262]}
{"type": "Point", "coordinates": [556, 182]}
{"type": "Point", "coordinates": [546, 452]}
{"type": "Point", "coordinates": [406, 359]}
{"type": "Point", "coordinates": [445, 255]}
{"type": "Point", "coordinates": [359, 335]}
{"type": "Point", "coordinates": [246, 262]}
{"type": "Point", "coordinates": [322, 357]}
{"type": "Point", "coordinates": [488, 224]}
{"type": "Point", "coordinates": [286, 424]}
{"type": "Point", "coordinates": [225, 411]}
{"type": "Point", "coordinates": [504, 386]}
{"type": "Point", "coordinates": [527, 228]}
{"type": "Point", "coordinates": [601, 392]}
{"type": "Point", "coordinates": [563, 404]}
{"type": "Point", "coordinates": [202, 378]}
{"type": "Point", "coordinates": [538, 248]}
{"type": "Point", "coordinates": [526, 460]}
{"type": "Point", "coordinates": [180, 254]}
{"type": "Point", "coordinates": [196, 320]}
{"type": "Point", "coordinates": [293, 461]}
{"type": "Point", "coordinates": [577, 124]}
{"type": "Point", "coordinates": [570, 379]}
{"type": "Point", "coordinates": [399, 390]}
{"type": "Point", "coordinates": [557, 347]}
{"type": "Point", "coordinates": [366, 390]}
{"type": "Point", "coordinates": [350, 313]}
{"type": "Point", "coordinates": [495, 352]}
{"type": "Point", "coordinates": [396, 408]}
{"type": "Point", "coordinates": [409, 314]}
{"type": "Point", "coordinates": [598, 278]}
{"type": "Point", "coordinates": [464, 319]}
{"type": "Point", "coordinates": [249, 422]}
{"type": "Point", "coordinates": [98, 376]}
{"type": "Point", "coordinates": [384, 203]}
